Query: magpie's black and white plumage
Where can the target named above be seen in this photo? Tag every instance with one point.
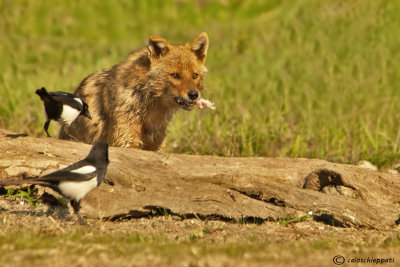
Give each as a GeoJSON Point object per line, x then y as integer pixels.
{"type": "Point", "coordinates": [77, 180]}
{"type": "Point", "coordinates": [62, 107]}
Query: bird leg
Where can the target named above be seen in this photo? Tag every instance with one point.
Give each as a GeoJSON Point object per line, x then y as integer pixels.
{"type": "Point", "coordinates": [46, 127]}
{"type": "Point", "coordinates": [76, 205]}
{"type": "Point", "coordinates": [73, 137]}
{"type": "Point", "coordinates": [70, 135]}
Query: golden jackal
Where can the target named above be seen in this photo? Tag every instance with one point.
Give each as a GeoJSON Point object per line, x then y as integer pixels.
{"type": "Point", "coordinates": [132, 103]}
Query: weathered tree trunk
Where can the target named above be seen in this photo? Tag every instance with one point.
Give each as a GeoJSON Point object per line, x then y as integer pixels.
{"type": "Point", "coordinates": [215, 187]}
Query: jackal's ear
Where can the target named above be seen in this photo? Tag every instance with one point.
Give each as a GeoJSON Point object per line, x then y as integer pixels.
{"type": "Point", "coordinates": [200, 46]}
{"type": "Point", "coordinates": [157, 47]}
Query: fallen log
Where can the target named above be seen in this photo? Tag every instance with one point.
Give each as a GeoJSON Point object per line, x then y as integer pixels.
{"type": "Point", "coordinates": [142, 183]}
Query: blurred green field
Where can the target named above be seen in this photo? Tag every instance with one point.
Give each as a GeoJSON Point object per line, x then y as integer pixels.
{"type": "Point", "coordinates": [315, 79]}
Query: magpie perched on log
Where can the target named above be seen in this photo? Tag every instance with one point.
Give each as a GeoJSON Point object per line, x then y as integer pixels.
{"type": "Point", "coordinates": [77, 180]}
{"type": "Point", "coordinates": [62, 107]}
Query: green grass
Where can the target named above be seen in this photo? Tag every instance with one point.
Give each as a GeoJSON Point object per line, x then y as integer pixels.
{"type": "Point", "coordinates": [124, 247]}
{"type": "Point", "coordinates": [89, 246]}
{"type": "Point", "coordinates": [27, 196]}
{"type": "Point", "coordinates": [291, 219]}
{"type": "Point", "coordinates": [315, 79]}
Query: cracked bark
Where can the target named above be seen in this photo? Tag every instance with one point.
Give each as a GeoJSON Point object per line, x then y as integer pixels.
{"type": "Point", "coordinates": [142, 183]}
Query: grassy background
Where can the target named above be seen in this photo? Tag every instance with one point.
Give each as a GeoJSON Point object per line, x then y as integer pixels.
{"type": "Point", "coordinates": [305, 78]}
{"type": "Point", "coordinates": [316, 79]}
{"type": "Point", "coordinates": [183, 243]}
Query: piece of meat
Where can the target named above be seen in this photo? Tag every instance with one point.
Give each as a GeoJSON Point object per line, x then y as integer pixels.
{"type": "Point", "coordinates": [201, 103]}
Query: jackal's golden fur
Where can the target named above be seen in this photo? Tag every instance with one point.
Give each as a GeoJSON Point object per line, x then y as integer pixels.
{"type": "Point", "coordinates": [132, 103]}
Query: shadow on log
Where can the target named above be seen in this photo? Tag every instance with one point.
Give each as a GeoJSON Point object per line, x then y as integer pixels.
{"type": "Point", "coordinates": [265, 189]}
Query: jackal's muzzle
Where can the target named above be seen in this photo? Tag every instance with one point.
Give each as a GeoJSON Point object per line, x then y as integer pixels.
{"type": "Point", "coordinates": [184, 103]}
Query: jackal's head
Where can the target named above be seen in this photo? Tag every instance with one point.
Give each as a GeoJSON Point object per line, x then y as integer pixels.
{"type": "Point", "coordinates": [177, 71]}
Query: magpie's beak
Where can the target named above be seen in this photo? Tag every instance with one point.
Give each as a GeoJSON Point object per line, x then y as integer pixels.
{"type": "Point", "coordinates": [87, 114]}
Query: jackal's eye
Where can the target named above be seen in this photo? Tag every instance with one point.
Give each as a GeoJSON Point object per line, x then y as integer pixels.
{"type": "Point", "coordinates": [195, 75]}
{"type": "Point", "coordinates": [175, 75]}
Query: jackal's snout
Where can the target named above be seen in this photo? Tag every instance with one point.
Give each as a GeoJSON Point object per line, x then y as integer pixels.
{"type": "Point", "coordinates": [187, 101]}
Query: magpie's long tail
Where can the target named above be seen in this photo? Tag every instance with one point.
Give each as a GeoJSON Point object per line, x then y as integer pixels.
{"type": "Point", "coordinates": [43, 93]}
{"type": "Point", "coordinates": [22, 182]}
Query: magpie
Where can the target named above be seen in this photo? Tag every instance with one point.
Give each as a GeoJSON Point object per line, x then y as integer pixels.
{"type": "Point", "coordinates": [77, 180]}
{"type": "Point", "coordinates": [62, 107]}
